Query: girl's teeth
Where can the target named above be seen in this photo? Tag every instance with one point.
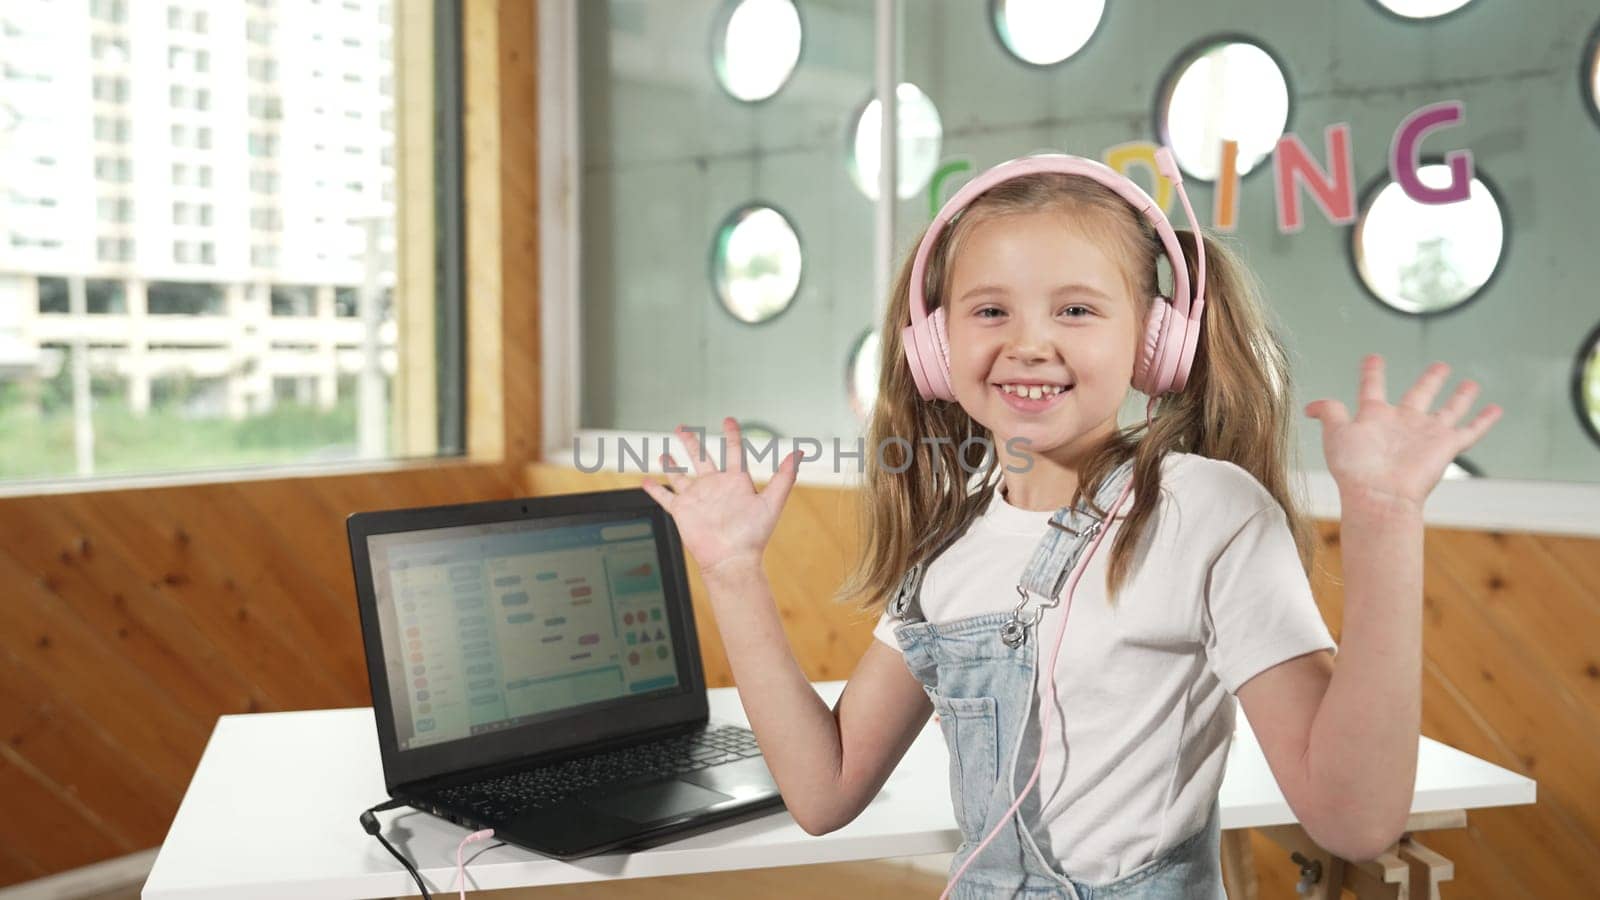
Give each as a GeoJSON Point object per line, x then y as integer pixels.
{"type": "Point", "coordinates": [1032, 392]}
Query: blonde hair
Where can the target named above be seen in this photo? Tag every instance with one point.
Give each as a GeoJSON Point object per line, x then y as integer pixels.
{"type": "Point", "coordinates": [1235, 406]}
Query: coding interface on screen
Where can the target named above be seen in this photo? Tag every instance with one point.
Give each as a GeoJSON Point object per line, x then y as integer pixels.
{"type": "Point", "coordinates": [490, 626]}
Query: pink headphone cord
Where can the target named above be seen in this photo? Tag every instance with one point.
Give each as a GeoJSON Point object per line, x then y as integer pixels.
{"type": "Point", "coordinates": [461, 867]}
{"type": "Point", "coordinates": [1055, 653]}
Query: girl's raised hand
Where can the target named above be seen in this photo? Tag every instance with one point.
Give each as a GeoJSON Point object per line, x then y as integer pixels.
{"type": "Point", "coordinates": [1398, 453]}
{"type": "Point", "coordinates": [718, 512]}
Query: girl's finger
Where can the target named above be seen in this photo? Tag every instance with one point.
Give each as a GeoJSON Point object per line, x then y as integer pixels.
{"type": "Point", "coordinates": [733, 447]}
{"type": "Point", "coordinates": [1421, 394]}
{"type": "Point", "coordinates": [1459, 402]}
{"type": "Point", "coordinates": [777, 490]}
{"type": "Point", "coordinates": [674, 473]}
{"type": "Point", "coordinates": [1373, 391]}
{"type": "Point", "coordinates": [1331, 412]}
{"type": "Point", "coordinates": [697, 457]}
{"type": "Point", "coordinates": [1482, 422]}
{"type": "Point", "coordinates": [659, 494]}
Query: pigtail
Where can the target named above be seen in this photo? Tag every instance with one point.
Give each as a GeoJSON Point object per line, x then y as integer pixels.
{"type": "Point", "coordinates": [1235, 407]}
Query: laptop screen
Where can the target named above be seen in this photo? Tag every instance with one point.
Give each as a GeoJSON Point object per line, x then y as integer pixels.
{"type": "Point", "coordinates": [487, 627]}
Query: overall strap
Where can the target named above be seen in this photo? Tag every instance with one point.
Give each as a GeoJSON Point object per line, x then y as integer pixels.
{"type": "Point", "coordinates": [904, 605]}
{"type": "Point", "coordinates": [1071, 529]}
{"type": "Point", "coordinates": [1057, 553]}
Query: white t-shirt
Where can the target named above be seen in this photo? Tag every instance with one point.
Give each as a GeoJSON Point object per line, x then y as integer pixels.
{"type": "Point", "coordinates": [1215, 595]}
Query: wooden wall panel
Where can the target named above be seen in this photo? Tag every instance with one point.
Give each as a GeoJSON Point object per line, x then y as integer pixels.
{"type": "Point", "coordinates": [132, 620]}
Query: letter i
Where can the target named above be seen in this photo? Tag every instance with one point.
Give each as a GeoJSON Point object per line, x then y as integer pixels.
{"type": "Point", "coordinates": [1225, 206]}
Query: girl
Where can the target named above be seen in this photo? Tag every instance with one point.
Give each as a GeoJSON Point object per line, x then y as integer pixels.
{"type": "Point", "coordinates": [1033, 306]}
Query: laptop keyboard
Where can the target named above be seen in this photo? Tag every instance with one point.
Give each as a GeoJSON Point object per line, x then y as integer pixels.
{"type": "Point", "coordinates": [506, 795]}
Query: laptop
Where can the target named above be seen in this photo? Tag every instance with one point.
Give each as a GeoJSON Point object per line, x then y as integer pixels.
{"type": "Point", "coordinates": [535, 670]}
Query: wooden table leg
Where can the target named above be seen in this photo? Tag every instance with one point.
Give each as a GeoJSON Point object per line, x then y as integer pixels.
{"type": "Point", "coordinates": [1427, 869]}
{"type": "Point", "coordinates": [1238, 865]}
{"type": "Point", "coordinates": [1406, 871]}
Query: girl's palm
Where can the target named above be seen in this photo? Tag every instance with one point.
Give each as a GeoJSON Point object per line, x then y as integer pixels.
{"type": "Point", "coordinates": [1398, 452]}
{"type": "Point", "coordinates": [718, 512]}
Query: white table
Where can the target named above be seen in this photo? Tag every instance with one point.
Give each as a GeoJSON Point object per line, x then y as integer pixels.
{"type": "Point", "coordinates": [272, 811]}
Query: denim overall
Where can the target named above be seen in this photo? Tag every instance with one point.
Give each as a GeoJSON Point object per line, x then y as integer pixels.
{"type": "Point", "coordinates": [979, 673]}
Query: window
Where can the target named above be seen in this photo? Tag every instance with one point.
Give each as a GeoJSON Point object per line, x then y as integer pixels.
{"type": "Point", "coordinates": [1421, 259]}
{"type": "Point", "coordinates": [111, 128]}
{"type": "Point", "coordinates": [262, 69]}
{"type": "Point", "coordinates": [116, 169]}
{"type": "Point", "coordinates": [1586, 384]}
{"type": "Point", "coordinates": [215, 245]}
{"type": "Point", "coordinates": [861, 374]}
{"type": "Point", "coordinates": [919, 136]}
{"type": "Point", "coordinates": [1589, 74]}
{"type": "Point", "coordinates": [183, 298]}
{"type": "Point", "coordinates": [263, 144]}
{"type": "Point", "coordinates": [296, 300]}
{"type": "Point", "coordinates": [263, 182]}
{"type": "Point", "coordinates": [756, 264]}
{"type": "Point", "coordinates": [1221, 90]}
{"type": "Point", "coordinates": [110, 88]}
{"type": "Point", "coordinates": [115, 209]}
{"type": "Point", "coordinates": [101, 296]}
{"type": "Point", "coordinates": [758, 48]}
{"type": "Point", "coordinates": [1046, 32]}
{"type": "Point", "coordinates": [1421, 9]}
{"type": "Point", "coordinates": [110, 50]}
{"type": "Point", "coordinates": [113, 11]}
{"type": "Point", "coordinates": [114, 249]}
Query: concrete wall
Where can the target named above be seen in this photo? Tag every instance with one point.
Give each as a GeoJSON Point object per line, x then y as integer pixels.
{"type": "Point", "coordinates": [668, 155]}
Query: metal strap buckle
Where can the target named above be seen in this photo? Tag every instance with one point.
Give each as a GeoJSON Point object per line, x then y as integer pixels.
{"type": "Point", "coordinates": [1090, 530]}
{"type": "Point", "coordinates": [908, 588]}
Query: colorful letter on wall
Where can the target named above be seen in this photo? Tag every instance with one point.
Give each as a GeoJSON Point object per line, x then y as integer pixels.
{"type": "Point", "coordinates": [1405, 149]}
{"type": "Point", "coordinates": [1225, 207]}
{"type": "Point", "coordinates": [1123, 155]}
{"type": "Point", "coordinates": [1336, 195]}
{"type": "Point", "coordinates": [936, 184]}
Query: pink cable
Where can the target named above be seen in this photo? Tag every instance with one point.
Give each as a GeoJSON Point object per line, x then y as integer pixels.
{"type": "Point", "coordinates": [461, 867]}
{"type": "Point", "coordinates": [1055, 653]}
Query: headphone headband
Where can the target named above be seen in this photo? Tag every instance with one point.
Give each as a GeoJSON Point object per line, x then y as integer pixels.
{"type": "Point", "coordinates": [1072, 165]}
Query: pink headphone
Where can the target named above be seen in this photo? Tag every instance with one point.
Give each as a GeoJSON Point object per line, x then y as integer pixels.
{"type": "Point", "coordinates": [1173, 331]}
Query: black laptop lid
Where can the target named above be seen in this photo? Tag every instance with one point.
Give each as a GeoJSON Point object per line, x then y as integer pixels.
{"type": "Point", "coordinates": [521, 628]}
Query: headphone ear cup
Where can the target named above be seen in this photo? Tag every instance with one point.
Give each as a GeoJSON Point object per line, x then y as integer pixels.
{"type": "Point", "coordinates": [1147, 369]}
{"type": "Point", "coordinates": [941, 343]}
{"type": "Point", "coordinates": [911, 343]}
{"type": "Point", "coordinates": [928, 356]}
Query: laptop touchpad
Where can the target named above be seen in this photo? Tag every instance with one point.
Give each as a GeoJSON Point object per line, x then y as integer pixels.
{"type": "Point", "coordinates": [663, 800]}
